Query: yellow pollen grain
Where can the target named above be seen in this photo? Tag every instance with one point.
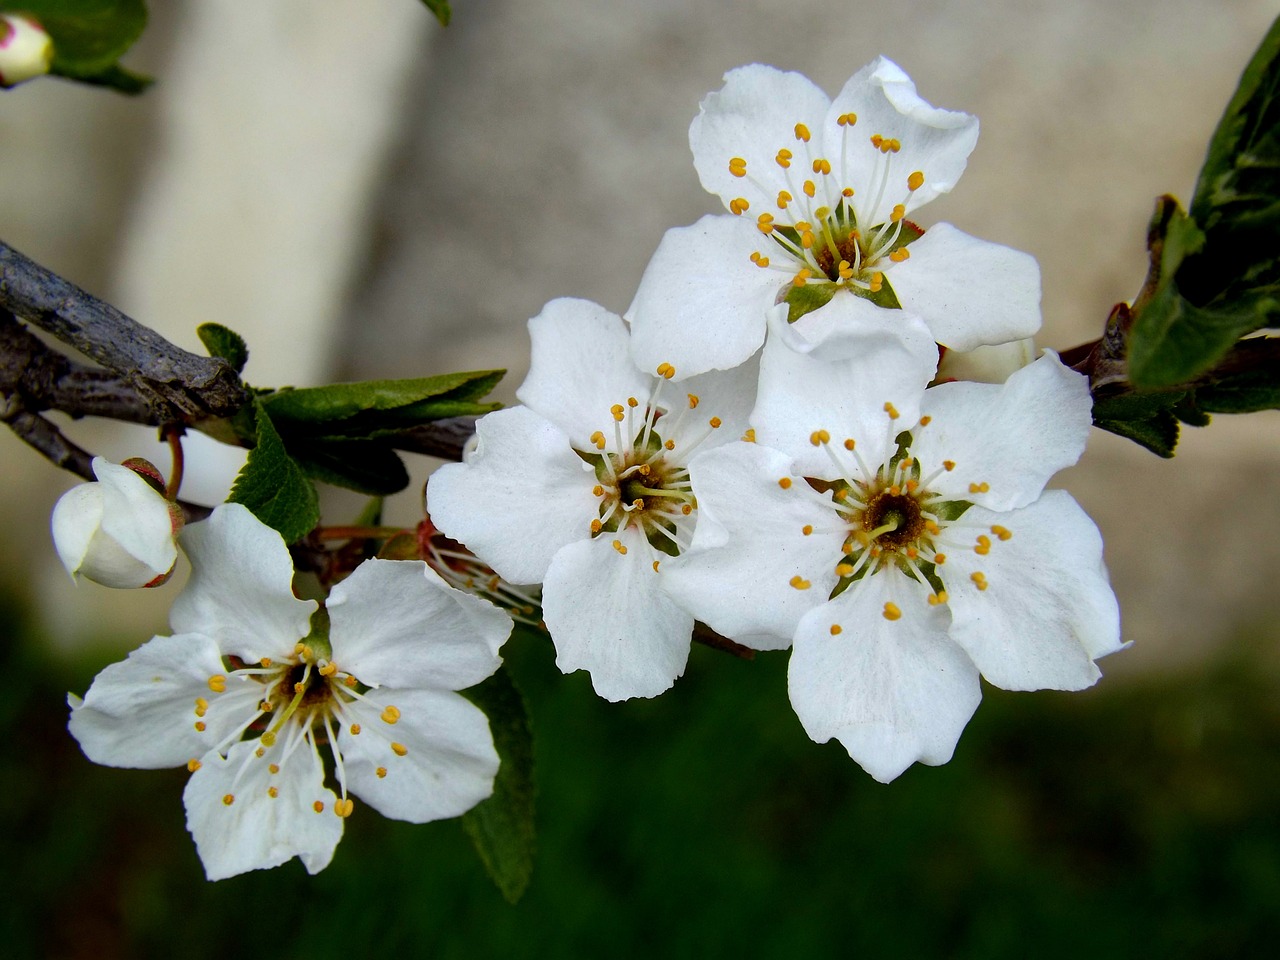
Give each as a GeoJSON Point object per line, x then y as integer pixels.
{"type": "Point", "coordinates": [915, 181]}
{"type": "Point", "coordinates": [785, 483]}
{"type": "Point", "coordinates": [765, 224]}
{"type": "Point", "coordinates": [801, 278]}
{"type": "Point", "coordinates": [632, 402]}
{"type": "Point", "coordinates": [598, 439]}
{"type": "Point", "coordinates": [666, 371]}
{"type": "Point", "coordinates": [937, 598]}
{"type": "Point", "coordinates": [783, 158]}
{"type": "Point", "coordinates": [265, 661]}
{"type": "Point", "coordinates": [193, 765]}
{"type": "Point", "coordinates": [979, 579]}
{"type": "Point", "coordinates": [895, 490]}
{"type": "Point", "coordinates": [807, 239]}
{"type": "Point", "coordinates": [846, 270]}
{"type": "Point", "coordinates": [849, 443]}
{"type": "Point", "coordinates": [298, 648]}
{"type": "Point", "coordinates": [202, 706]}
{"type": "Point", "coordinates": [847, 548]}
{"type": "Point", "coordinates": [810, 189]}
{"type": "Point", "coordinates": [694, 400]}
{"type": "Point", "coordinates": [912, 485]}
{"type": "Point", "coordinates": [750, 435]}
{"type": "Point", "coordinates": [841, 495]}
{"type": "Point", "coordinates": [668, 444]}
{"type": "Point", "coordinates": [381, 772]}
{"type": "Point", "coordinates": [926, 420]}
{"type": "Point", "coordinates": [655, 565]}
{"type": "Point", "coordinates": [847, 192]}
{"type": "Point", "coordinates": [912, 553]}
{"type": "Point", "coordinates": [738, 167]}
{"type": "Point", "coordinates": [273, 768]}
{"type": "Point", "coordinates": [979, 487]}
{"type": "Point", "coordinates": [390, 714]}
{"type": "Point", "coordinates": [329, 669]}
{"type": "Point", "coordinates": [800, 583]}
{"type": "Point", "coordinates": [807, 529]}
{"type": "Point", "coordinates": [349, 680]}
{"type": "Point", "coordinates": [596, 526]}
{"type": "Point", "coordinates": [847, 119]}
{"type": "Point", "coordinates": [836, 629]}
{"type": "Point", "coordinates": [891, 611]}
{"type": "Point", "coordinates": [597, 490]}
{"type": "Point", "coordinates": [318, 806]}
{"type": "Point", "coordinates": [877, 281]}
{"type": "Point", "coordinates": [299, 687]}
{"type": "Point", "coordinates": [687, 509]}
{"type": "Point", "coordinates": [307, 652]}
{"type": "Point", "coordinates": [948, 465]}
{"type": "Point", "coordinates": [939, 559]}
{"type": "Point", "coordinates": [273, 792]}
{"type": "Point", "coordinates": [802, 133]}
{"type": "Point", "coordinates": [343, 807]}
{"type": "Point", "coordinates": [819, 437]}
{"type": "Point", "coordinates": [932, 527]}
{"type": "Point", "coordinates": [899, 211]}
{"type": "Point", "coordinates": [821, 166]}
{"type": "Point", "coordinates": [739, 205]}
{"type": "Point", "coordinates": [891, 410]}
{"type": "Point", "coordinates": [900, 254]}
{"type": "Point", "coordinates": [620, 547]}
{"type": "Point", "coordinates": [218, 683]}
{"type": "Point", "coordinates": [895, 144]}
{"type": "Point", "coordinates": [260, 753]}
{"type": "Point", "coordinates": [759, 260]}
{"type": "Point", "coordinates": [1004, 533]}
{"type": "Point", "coordinates": [399, 749]}
{"type": "Point", "coordinates": [783, 199]}
{"type": "Point", "coordinates": [844, 569]}
{"type": "Point", "coordinates": [715, 423]}
{"type": "Point", "coordinates": [983, 546]}
{"type": "Point", "coordinates": [200, 726]}
{"type": "Point", "coordinates": [876, 140]}
{"type": "Point", "coordinates": [229, 799]}
{"type": "Point", "coordinates": [618, 412]}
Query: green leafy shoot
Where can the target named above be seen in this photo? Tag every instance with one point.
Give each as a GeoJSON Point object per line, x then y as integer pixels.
{"type": "Point", "coordinates": [273, 486]}
{"type": "Point", "coordinates": [225, 343]}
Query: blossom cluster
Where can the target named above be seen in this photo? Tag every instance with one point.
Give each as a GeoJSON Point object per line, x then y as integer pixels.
{"type": "Point", "coordinates": [819, 427]}
{"type": "Point", "coordinates": [768, 445]}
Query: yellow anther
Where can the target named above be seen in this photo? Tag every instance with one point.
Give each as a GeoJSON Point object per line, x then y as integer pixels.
{"type": "Point", "coordinates": [899, 211]}
{"type": "Point", "coordinates": [912, 485]}
{"type": "Point", "coordinates": [801, 278]}
{"type": "Point", "coordinates": [298, 648]}
{"type": "Point", "coordinates": [906, 463]}
{"type": "Point", "coordinates": [632, 402]}
{"type": "Point", "coordinates": [759, 259]}
{"type": "Point", "coordinates": [915, 181]}
{"type": "Point", "coordinates": [655, 566]}
{"type": "Point", "coordinates": [265, 661]}
{"type": "Point", "coordinates": [849, 443]}
{"type": "Point", "coordinates": [202, 706]}
{"type": "Point", "coordinates": [644, 469]}
{"type": "Point", "coordinates": [193, 765]}
{"type": "Point", "coordinates": [785, 483]}
{"type": "Point", "coordinates": [784, 157]}
{"type": "Point", "coordinates": [618, 412]}
{"type": "Point", "coordinates": [806, 239]}
{"type": "Point", "coordinates": [847, 548]}
{"type": "Point", "coordinates": [891, 410]}
{"type": "Point", "coordinates": [687, 509]}
{"type": "Point", "coordinates": [218, 683]}
{"type": "Point", "coordinates": [979, 487]}
{"type": "Point", "coordinates": [307, 653]}
{"type": "Point", "coordinates": [932, 527]}
{"type": "Point", "coordinates": [841, 495]}
{"type": "Point", "coordinates": [939, 559]}
{"type": "Point", "coordinates": [381, 772]}
{"type": "Point", "coordinates": [948, 465]}
{"type": "Point", "coordinates": [666, 371]}
{"type": "Point", "coordinates": [343, 807]}
{"type": "Point", "coordinates": [810, 189]}
{"type": "Point", "coordinates": [783, 199]}
{"type": "Point", "coordinates": [836, 629]}
{"type": "Point", "coordinates": [598, 439]}
{"type": "Point", "coordinates": [979, 579]}
{"type": "Point", "coordinates": [844, 569]}
{"type": "Point", "coordinates": [399, 749]}
{"type": "Point", "coordinates": [900, 254]}
{"type": "Point", "coordinates": [807, 529]}
{"type": "Point", "coordinates": [273, 768]}
{"type": "Point", "coordinates": [912, 553]}
{"type": "Point", "coordinates": [891, 611]}
{"type": "Point", "coordinates": [764, 223]}
{"type": "Point", "coordinates": [669, 444]}
{"type": "Point", "coordinates": [937, 598]}
{"type": "Point", "coordinates": [750, 435]}
{"type": "Point", "coordinates": [638, 503]}
{"type": "Point", "coordinates": [847, 192]}
{"type": "Point", "coordinates": [229, 799]}
{"type": "Point", "coordinates": [596, 526]}
{"type": "Point", "coordinates": [877, 281]}
{"type": "Point", "coordinates": [200, 728]}
{"type": "Point", "coordinates": [299, 687]}
{"type": "Point", "coordinates": [821, 166]}
{"type": "Point", "coordinates": [895, 491]}
{"type": "Point", "coordinates": [983, 546]}
{"type": "Point", "coordinates": [739, 205]}
{"type": "Point", "coordinates": [819, 437]}
{"type": "Point", "coordinates": [877, 141]}
{"type": "Point", "coordinates": [926, 420]}
{"type": "Point", "coordinates": [802, 132]}
{"type": "Point", "coordinates": [800, 583]}
{"type": "Point", "coordinates": [738, 167]}
{"type": "Point", "coordinates": [847, 119]}
{"type": "Point", "coordinates": [620, 547]}
{"type": "Point", "coordinates": [273, 792]}
{"type": "Point", "coordinates": [694, 400]}
{"type": "Point", "coordinates": [845, 269]}
{"type": "Point", "coordinates": [892, 145]}
{"type": "Point", "coordinates": [715, 423]}
{"type": "Point", "coordinates": [329, 669]}
{"type": "Point", "coordinates": [597, 490]}
{"type": "Point", "coordinates": [349, 680]}
{"type": "Point", "coordinates": [390, 714]}
{"type": "Point", "coordinates": [1004, 533]}
{"type": "Point", "coordinates": [318, 806]}
{"type": "Point", "coordinates": [260, 753]}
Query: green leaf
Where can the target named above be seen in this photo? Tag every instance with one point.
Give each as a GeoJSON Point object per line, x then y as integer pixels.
{"type": "Point", "coordinates": [89, 36]}
{"type": "Point", "coordinates": [1148, 419]}
{"type": "Point", "coordinates": [273, 486]}
{"type": "Point", "coordinates": [225, 343]}
{"type": "Point", "coordinates": [410, 398]}
{"type": "Point", "coordinates": [1159, 434]}
{"type": "Point", "coordinates": [441, 9]}
{"type": "Point", "coordinates": [502, 827]}
{"type": "Point", "coordinates": [365, 466]}
{"type": "Point", "coordinates": [1247, 381]}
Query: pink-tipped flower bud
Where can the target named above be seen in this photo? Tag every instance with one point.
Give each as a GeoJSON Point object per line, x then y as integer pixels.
{"type": "Point", "coordinates": [119, 531]}
{"type": "Point", "coordinates": [25, 49]}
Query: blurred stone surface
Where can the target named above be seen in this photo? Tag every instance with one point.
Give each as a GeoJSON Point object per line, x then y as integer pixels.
{"type": "Point", "coordinates": [541, 151]}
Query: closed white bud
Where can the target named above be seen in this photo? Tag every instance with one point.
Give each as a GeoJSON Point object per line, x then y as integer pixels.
{"type": "Point", "coordinates": [989, 364]}
{"type": "Point", "coordinates": [119, 531]}
{"type": "Point", "coordinates": [25, 49]}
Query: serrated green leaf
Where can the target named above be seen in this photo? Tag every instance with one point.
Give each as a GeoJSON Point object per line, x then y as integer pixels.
{"type": "Point", "coordinates": [367, 467]}
{"type": "Point", "coordinates": [341, 401]}
{"type": "Point", "coordinates": [1159, 434]}
{"type": "Point", "coordinates": [1135, 406]}
{"type": "Point", "coordinates": [441, 9]}
{"type": "Point", "coordinates": [89, 36]}
{"type": "Point", "coordinates": [502, 827]}
{"type": "Point", "coordinates": [273, 486]}
{"type": "Point", "coordinates": [223, 342]}
{"type": "Point", "coordinates": [116, 77]}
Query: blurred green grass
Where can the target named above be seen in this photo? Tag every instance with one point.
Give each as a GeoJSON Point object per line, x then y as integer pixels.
{"type": "Point", "coordinates": [1140, 818]}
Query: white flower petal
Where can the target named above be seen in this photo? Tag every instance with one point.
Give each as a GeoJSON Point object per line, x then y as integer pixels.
{"type": "Point", "coordinates": [993, 363]}
{"type": "Point", "coordinates": [701, 303]}
{"type": "Point", "coordinates": [448, 762]}
{"type": "Point", "coordinates": [521, 497]}
{"type": "Point", "coordinates": [140, 712]}
{"type": "Point", "coordinates": [608, 614]}
{"type": "Point", "coordinates": [969, 291]}
{"type": "Point", "coordinates": [727, 395]}
{"type": "Point", "coordinates": [893, 692]}
{"type": "Point", "coordinates": [395, 622]}
{"type": "Point", "coordinates": [891, 356]}
{"type": "Point", "coordinates": [1048, 610]}
{"type": "Point", "coordinates": [751, 118]}
{"type": "Point", "coordinates": [241, 587]}
{"type": "Point", "coordinates": [256, 831]}
{"type": "Point", "coordinates": [934, 141]}
{"type": "Point", "coordinates": [750, 543]}
{"type": "Point", "coordinates": [579, 368]}
{"type": "Point", "coordinates": [1012, 437]}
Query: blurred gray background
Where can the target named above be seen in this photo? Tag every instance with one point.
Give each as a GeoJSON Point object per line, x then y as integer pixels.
{"type": "Point", "coordinates": [363, 194]}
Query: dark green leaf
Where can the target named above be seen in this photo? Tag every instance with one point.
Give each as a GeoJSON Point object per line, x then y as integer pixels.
{"type": "Point", "coordinates": [118, 78]}
{"type": "Point", "coordinates": [502, 827]}
{"type": "Point", "coordinates": [1159, 433]}
{"type": "Point", "coordinates": [225, 343]}
{"type": "Point", "coordinates": [410, 398]}
{"type": "Point", "coordinates": [441, 9]}
{"type": "Point", "coordinates": [807, 298]}
{"type": "Point", "coordinates": [274, 487]}
{"type": "Point", "coordinates": [1135, 406]}
{"type": "Point", "coordinates": [364, 466]}
{"type": "Point", "coordinates": [89, 36]}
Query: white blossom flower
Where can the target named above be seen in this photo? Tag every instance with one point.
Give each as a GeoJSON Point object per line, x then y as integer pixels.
{"type": "Point", "coordinates": [819, 193]}
{"type": "Point", "coordinates": [25, 49]}
{"type": "Point", "coordinates": [585, 489]}
{"type": "Point", "coordinates": [900, 538]}
{"type": "Point", "coordinates": [251, 686]}
{"type": "Point", "coordinates": [118, 531]}
{"type": "Point", "coordinates": [991, 363]}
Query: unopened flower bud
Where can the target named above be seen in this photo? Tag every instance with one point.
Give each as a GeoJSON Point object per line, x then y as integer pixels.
{"type": "Point", "coordinates": [25, 49]}
{"type": "Point", "coordinates": [119, 531]}
{"type": "Point", "coordinates": [988, 364]}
